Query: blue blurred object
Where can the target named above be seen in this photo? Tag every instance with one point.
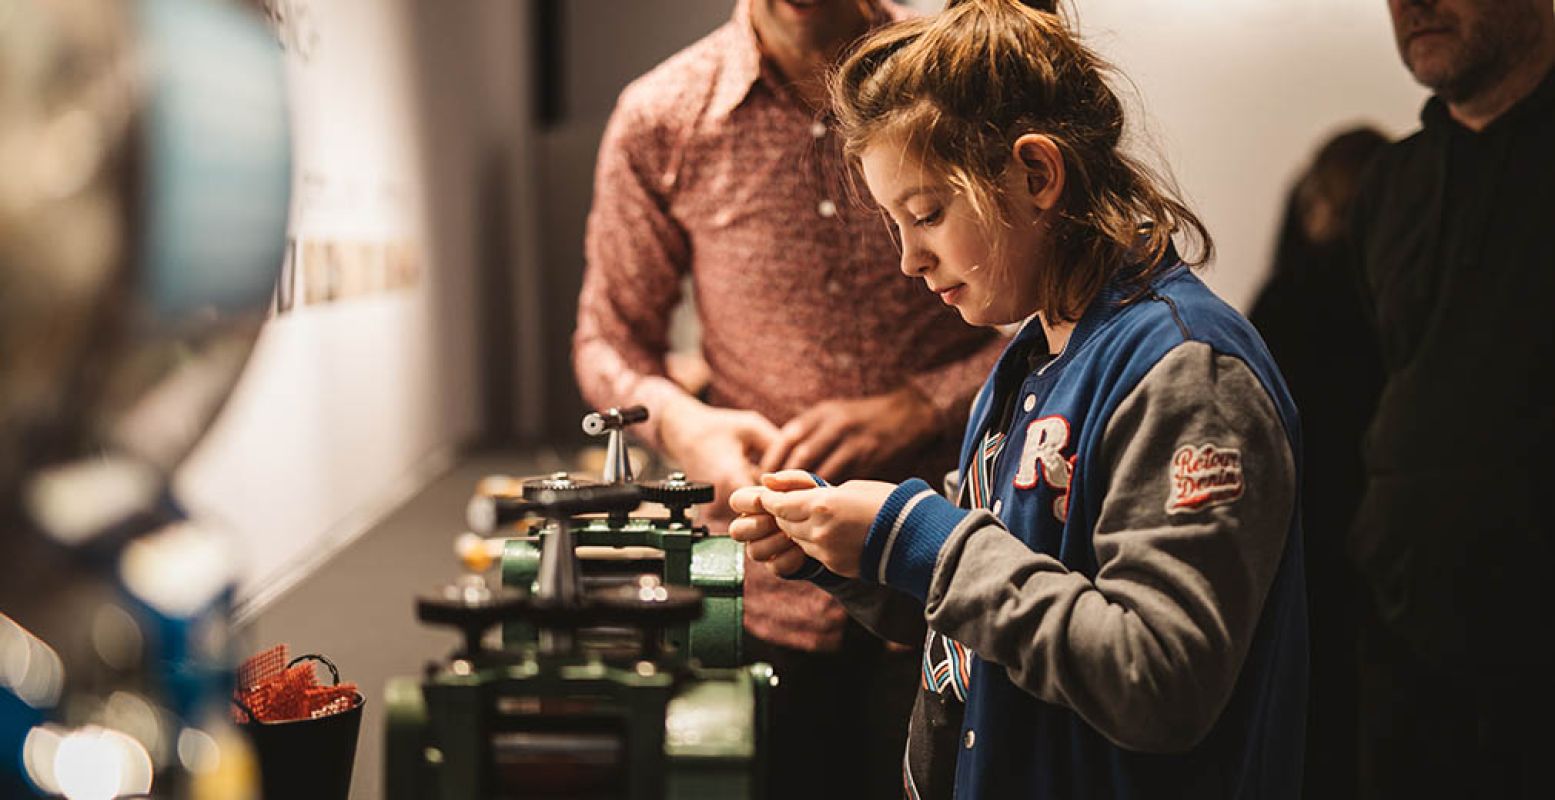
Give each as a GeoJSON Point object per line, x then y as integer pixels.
{"type": "Point", "coordinates": [218, 150]}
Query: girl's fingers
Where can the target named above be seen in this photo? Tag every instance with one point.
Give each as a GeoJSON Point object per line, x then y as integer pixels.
{"type": "Point", "coordinates": [789, 480]}
{"type": "Point", "coordinates": [746, 500]}
{"type": "Point", "coordinates": [767, 548]}
{"type": "Point", "coordinates": [787, 562]}
{"type": "Point", "coordinates": [791, 506]}
{"type": "Point", "coordinates": [752, 527]}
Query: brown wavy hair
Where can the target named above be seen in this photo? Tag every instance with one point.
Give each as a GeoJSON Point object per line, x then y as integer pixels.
{"type": "Point", "coordinates": [960, 87]}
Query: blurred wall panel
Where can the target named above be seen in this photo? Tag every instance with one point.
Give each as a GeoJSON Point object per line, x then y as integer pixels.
{"type": "Point", "coordinates": [364, 382]}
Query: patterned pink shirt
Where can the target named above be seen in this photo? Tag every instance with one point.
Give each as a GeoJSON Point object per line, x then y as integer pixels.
{"type": "Point", "coordinates": [710, 164]}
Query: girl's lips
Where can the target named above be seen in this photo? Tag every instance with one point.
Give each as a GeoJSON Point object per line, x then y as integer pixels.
{"type": "Point", "coordinates": [951, 295]}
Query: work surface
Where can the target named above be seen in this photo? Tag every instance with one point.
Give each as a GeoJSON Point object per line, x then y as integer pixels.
{"type": "Point", "coordinates": [358, 609]}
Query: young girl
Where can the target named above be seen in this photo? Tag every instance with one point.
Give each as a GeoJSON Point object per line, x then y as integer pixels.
{"type": "Point", "coordinates": [1114, 605]}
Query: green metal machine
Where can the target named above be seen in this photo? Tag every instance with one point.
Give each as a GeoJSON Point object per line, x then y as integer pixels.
{"type": "Point", "coordinates": [609, 681]}
{"type": "Point", "coordinates": [620, 546]}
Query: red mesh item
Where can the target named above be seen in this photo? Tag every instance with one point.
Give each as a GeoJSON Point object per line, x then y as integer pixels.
{"type": "Point", "coordinates": [325, 700]}
{"type": "Point", "coordinates": [275, 692]}
{"type": "Point", "coordinates": [261, 667]}
{"type": "Point", "coordinates": [290, 700]}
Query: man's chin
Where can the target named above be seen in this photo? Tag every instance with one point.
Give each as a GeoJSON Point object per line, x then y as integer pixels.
{"type": "Point", "coordinates": [1434, 67]}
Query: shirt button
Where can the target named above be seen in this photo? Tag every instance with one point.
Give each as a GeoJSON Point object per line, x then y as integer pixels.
{"type": "Point", "coordinates": [970, 738]}
{"type": "Point", "coordinates": [1030, 403]}
{"type": "Point", "coordinates": [817, 129]}
{"type": "Point", "coordinates": [998, 505]}
{"type": "Point", "coordinates": [827, 209]}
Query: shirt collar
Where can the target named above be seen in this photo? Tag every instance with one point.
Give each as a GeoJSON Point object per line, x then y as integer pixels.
{"type": "Point", "coordinates": [741, 64]}
{"type": "Point", "coordinates": [744, 64]}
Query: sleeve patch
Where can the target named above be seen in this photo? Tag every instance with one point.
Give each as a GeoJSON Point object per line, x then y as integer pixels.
{"type": "Point", "coordinates": [1204, 476]}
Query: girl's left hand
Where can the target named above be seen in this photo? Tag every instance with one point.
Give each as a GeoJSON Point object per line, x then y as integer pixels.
{"type": "Point", "coordinates": [828, 523]}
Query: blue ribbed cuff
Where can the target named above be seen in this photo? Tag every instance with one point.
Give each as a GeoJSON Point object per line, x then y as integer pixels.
{"type": "Point", "coordinates": [905, 539]}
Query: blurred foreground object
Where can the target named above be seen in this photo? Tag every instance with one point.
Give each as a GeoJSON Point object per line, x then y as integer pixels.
{"type": "Point", "coordinates": [144, 185]}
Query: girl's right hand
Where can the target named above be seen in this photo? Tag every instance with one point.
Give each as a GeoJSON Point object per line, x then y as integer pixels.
{"type": "Point", "coordinates": [764, 541]}
{"type": "Point", "coordinates": [829, 523]}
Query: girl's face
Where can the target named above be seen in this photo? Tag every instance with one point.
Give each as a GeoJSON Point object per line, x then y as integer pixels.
{"type": "Point", "coordinates": [985, 271]}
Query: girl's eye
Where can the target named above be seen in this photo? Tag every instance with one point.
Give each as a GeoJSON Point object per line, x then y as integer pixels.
{"type": "Point", "coordinates": [929, 218]}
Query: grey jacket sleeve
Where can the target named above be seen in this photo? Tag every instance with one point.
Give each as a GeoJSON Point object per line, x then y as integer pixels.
{"type": "Point", "coordinates": [884, 611]}
{"type": "Point", "coordinates": [1149, 652]}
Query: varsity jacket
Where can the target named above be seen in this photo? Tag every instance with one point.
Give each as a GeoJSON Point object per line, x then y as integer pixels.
{"type": "Point", "coordinates": [1131, 594]}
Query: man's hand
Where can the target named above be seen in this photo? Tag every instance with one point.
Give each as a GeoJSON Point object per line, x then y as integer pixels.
{"type": "Point", "coordinates": [716, 445]}
{"type": "Point", "coordinates": [828, 523]}
{"type": "Point", "coordinates": [840, 439]}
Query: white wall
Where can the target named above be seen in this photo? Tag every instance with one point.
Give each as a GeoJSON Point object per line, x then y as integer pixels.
{"type": "Point", "coordinates": [348, 405]}
{"type": "Point", "coordinates": [1238, 95]}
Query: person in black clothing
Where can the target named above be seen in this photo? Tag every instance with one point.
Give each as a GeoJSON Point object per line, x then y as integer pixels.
{"type": "Point", "coordinates": [1311, 317]}
{"type": "Point", "coordinates": [1453, 534]}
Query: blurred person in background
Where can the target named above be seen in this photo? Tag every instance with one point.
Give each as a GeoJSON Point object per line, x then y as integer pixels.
{"type": "Point", "coordinates": [1453, 537]}
{"type": "Point", "coordinates": [721, 163]}
{"type": "Point", "coordinates": [1312, 317]}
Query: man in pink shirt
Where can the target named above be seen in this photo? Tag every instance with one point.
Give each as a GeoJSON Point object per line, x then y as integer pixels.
{"type": "Point", "coordinates": [720, 163]}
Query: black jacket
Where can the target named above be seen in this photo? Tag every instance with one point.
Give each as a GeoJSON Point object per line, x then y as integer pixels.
{"type": "Point", "coordinates": [1456, 240]}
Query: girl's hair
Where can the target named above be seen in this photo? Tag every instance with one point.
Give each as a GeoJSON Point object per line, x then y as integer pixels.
{"type": "Point", "coordinates": [960, 87]}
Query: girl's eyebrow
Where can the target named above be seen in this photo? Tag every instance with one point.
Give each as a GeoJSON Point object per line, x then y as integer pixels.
{"type": "Point", "coordinates": [911, 193]}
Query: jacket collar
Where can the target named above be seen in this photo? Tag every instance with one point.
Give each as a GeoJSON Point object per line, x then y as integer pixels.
{"type": "Point", "coordinates": [1107, 304]}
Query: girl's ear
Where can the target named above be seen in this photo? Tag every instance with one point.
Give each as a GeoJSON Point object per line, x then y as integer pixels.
{"type": "Point", "coordinates": [1038, 157]}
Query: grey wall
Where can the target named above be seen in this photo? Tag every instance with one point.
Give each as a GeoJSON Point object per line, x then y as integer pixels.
{"type": "Point", "coordinates": [606, 43]}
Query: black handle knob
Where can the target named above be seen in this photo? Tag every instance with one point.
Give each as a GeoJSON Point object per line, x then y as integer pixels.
{"type": "Point", "coordinates": [613, 419]}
